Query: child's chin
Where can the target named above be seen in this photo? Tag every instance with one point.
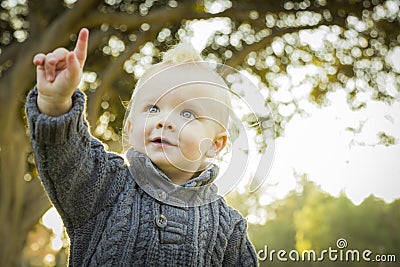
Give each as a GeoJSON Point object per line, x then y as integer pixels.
{"type": "Point", "coordinates": [169, 164]}
{"type": "Point", "coordinates": [161, 160]}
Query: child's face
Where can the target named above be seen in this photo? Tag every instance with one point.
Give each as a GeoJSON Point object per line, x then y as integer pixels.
{"type": "Point", "coordinates": [178, 125]}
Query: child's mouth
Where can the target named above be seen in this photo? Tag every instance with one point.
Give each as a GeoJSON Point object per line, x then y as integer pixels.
{"type": "Point", "coordinates": [160, 141]}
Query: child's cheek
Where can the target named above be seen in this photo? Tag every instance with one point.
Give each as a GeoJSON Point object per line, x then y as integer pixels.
{"type": "Point", "coordinates": [137, 136]}
{"type": "Point", "coordinates": [190, 143]}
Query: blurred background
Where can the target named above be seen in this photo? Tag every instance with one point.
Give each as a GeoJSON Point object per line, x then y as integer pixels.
{"type": "Point", "coordinates": [328, 71]}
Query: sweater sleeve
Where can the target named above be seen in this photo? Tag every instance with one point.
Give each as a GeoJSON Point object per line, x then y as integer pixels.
{"type": "Point", "coordinates": [79, 176]}
{"type": "Point", "coordinates": [240, 251]}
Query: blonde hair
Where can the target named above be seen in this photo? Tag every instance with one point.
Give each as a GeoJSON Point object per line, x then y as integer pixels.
{"type": "Point", "coordinates": [181, 53]}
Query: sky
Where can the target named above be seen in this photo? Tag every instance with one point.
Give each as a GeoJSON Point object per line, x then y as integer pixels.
{"type": "Point", "coordinates": [337, 159]}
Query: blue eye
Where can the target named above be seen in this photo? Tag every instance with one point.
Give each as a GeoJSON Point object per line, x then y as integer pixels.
{"type": "Point", "coordinates": [188, 114]}
{"type": "Point", "coordinates": [153, 109]}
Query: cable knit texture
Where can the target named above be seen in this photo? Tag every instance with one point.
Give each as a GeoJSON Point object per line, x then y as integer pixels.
{"type": "Point", "coordinates": [110, 219]}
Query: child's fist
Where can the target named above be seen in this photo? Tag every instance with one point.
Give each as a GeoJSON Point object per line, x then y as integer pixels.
{"type": "Point", "coordinates": [58, 75]}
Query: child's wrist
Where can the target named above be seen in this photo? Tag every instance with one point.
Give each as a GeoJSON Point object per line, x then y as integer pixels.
{"type": "Point", "coordinates": [53, 106]}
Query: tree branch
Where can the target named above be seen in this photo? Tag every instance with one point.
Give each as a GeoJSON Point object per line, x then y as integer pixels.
{"type": "Point", "coordinates": [66, 25]}
{"type": "Point", "coordinates": [9, 53]}
{"type": "Point", "coordinates": [134, 21]}
{"type": "Point", "coordinates": [239, 56]}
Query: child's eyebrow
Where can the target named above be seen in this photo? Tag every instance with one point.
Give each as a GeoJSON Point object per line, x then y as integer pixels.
{"type": "Point", "coordinates": [197, 107]}
{"type": "Point", "coordinates": [148, 102]}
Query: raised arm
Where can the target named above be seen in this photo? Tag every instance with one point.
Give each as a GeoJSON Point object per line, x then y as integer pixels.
{"type": "Point", "coordinates": [79, 176]}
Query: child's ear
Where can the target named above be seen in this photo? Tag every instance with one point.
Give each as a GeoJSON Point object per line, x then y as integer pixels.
{"type": "Point", "coordinates": [128, 125]}
{"type": "Point", "coordinates": [218, 144]}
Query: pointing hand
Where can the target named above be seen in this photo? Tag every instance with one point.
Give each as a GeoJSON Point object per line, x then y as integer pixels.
{"type": "Point", "coordinates": [58, 75]}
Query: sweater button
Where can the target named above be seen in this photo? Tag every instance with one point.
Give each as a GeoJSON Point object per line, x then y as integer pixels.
{"type": "Point", "coordinates": [161, 195]}
{"type": "Point", "coordinates": [161, 221]}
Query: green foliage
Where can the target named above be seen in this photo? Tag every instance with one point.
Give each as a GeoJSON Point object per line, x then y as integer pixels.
{"type": "Point", "coordinates": [310, 219]}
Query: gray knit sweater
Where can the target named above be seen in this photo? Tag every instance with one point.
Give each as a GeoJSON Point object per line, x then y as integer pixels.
{"type": "Point", "coordinates": [111, 219]}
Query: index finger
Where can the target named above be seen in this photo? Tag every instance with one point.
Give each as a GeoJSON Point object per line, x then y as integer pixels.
{"type": "Point", "coordinates": [81, 46]}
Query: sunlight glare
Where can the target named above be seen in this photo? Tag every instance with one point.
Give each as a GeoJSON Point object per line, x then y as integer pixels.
{"type": "Point", "coordinates": [52, 220]}
{"type": "Point", "coordinates": [202, 30]}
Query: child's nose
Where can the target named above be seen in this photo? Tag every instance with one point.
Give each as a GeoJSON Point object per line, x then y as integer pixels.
{"type": "Point", "coordinates": [165, 123]}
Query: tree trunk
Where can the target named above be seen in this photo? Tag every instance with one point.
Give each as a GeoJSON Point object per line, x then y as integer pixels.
{"type": "Point", "coordinates": [22, 202]}
{"type": "Point", "coordinates": [11, 244]}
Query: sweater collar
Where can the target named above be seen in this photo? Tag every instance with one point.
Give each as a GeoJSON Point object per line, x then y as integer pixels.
{"type": "Point", "coordinates": [197, 191]}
